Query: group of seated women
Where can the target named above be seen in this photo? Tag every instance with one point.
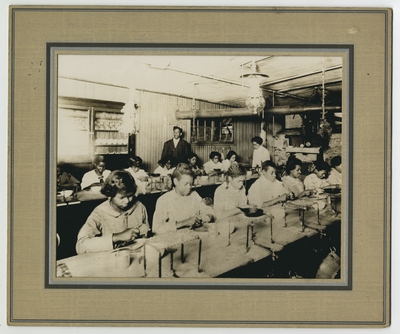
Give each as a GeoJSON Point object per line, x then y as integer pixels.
{"type": "Point", "coordinates": [122, 218]}
{"type": "Point", "coordinates": [168, 163]}
{"type": "Point", "coordinates": [166, 166]}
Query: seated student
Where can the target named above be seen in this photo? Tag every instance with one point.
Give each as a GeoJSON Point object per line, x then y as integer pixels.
{"type": "Point", "coordinates": [231, 194]}
{"type": "Point", "coordinates": [229, 161]}
{"type": "Point", "coordinates": [317, 178]}
{"type": "Point", "coordinates": [213, 164]}
{"type": "Point", "coordinates": [335, 175]}
{"type": "Point", "coordinates": [193, 161]}
{"type": "Point", "coordinates": [267, 190]}
{"type": "Point", "coordinates": [96, 176]}
{"type": "Point", "coordinates": [65, 180]}
{"type": "Point", "coordinates": [116, 222]}
{"type": "Point", "coordinates": [181, 206]}
{"type": "Point", "coordinates": [166, 165]}
{"type": "Point", "coordinates": [291, 180]}
{"type": "Point", "coordinates": [138, 174]}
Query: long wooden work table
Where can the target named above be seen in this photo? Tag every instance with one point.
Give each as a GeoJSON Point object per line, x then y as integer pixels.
{"type": "Point", "coordinates": [213, 249]}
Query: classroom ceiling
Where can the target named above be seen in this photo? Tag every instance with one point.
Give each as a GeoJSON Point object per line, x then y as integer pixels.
{"type": "Point", "coordinates": [294, 80]}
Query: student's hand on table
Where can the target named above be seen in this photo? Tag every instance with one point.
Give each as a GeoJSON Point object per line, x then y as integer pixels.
{"type": "Point", "coordinates": [307, 193]}
{"type": "Point", "coordinates": [187, 222]}
{"type": "Point", "coordinates": [206, 218]}
{"type": "Point", "coordinates": [143, 230]}
{"type": "Point", "coordinates": [127, 235]}
{"type": "Point", "coordinates": [291, 196]}
{"type": "Point", "coordinates": [281, 199]}
{"type": "Point", "coordinates": [143, 178]}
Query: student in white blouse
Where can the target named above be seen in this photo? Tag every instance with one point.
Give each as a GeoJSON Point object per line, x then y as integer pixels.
{"type": "Point", "coordinates": [260, 153]}
{"type": "Point", "coordinates": [97, 176]}
{"type": "Point", "coordinates": [292, 182]}
{"type": "Point", "coordinates": [181, 206]}
{"type": "Point", "coordinates": [267, 190]}
{"type": "Point", "coordinates": [229, 161]}
{"type": "Point", "coordinates": [317, 179]}
{"type": "Point", "coordinates": [335, 175]}
{"type": "Point", "coordinates": [116, 222]}
{"type": "Point", "coordinates": [213, 164]}
{"type": "Point", "coordinates": [138, 174]}
{"type": "Point", "coordinates": [166, 166]}
{"type": "Point", "coordinates": [231, 194]}
{"type": "Point", "coordinates": [296, 186]}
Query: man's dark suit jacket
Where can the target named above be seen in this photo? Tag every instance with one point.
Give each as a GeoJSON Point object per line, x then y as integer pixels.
{"type": "Point", "coordinates": [181, 152]}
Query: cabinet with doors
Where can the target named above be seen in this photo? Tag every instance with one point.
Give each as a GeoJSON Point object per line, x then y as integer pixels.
{"type": "Point", "coordinates": [87, 127]}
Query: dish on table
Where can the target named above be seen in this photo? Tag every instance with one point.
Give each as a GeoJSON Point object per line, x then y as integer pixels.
{"type": "Point", "coordinates": [335, 189]}
{"type": "Point", "coordinates": [252, 212]}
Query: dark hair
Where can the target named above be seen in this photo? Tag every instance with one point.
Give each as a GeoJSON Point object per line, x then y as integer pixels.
{"type": "Point", "coordinates": [321, 165]}
{"type": "Point", "coordinates": [336, 161]}
{"type": "Point", "coordinates": [192, 155]}
{"type": "Point", "coordinates": [167, 158]}
{"type": "Point", "coordinates": [236, 170]}
{"type": "Point", "coordinates": [97, 159]}
{"type": "Point", "coordinates": [119, 181]}
{"type": "Point", "coordinates": [292, 163]}
{"type": "Point", "coordinates": [257, 139]}
{"type": "Point", "coordinates": [230, 154]}
{"type": "Point", "coordinates": [135, 161]}
{"type": "Point", "coordinates": [214, 154]}
{"type": "Point", "coordinates": [177, 128]}
{"type": "Point", "coordinates": [267, 164]}
{"type": "Point", "coordinates": [181, 169]}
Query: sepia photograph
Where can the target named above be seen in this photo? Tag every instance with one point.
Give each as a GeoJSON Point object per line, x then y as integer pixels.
{"type": "Point", "coordinates": [204, 166]}
{"type": "Point", "coordinates": [200, 166]}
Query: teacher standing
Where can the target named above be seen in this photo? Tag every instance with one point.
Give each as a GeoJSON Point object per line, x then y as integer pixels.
{"type": "Point", "coordinates": [177, 147]}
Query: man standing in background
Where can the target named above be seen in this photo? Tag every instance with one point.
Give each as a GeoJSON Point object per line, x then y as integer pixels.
{"type": "Point", "coordinates": [177, 147]}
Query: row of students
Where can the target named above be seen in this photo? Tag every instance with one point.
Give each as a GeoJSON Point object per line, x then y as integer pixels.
{"type": "Point", "coordinates": [166, 166]}
{"type": "Point", "coordinates": [122, 218]}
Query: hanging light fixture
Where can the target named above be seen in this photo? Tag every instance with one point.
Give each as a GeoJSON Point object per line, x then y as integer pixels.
{"type": "Point", "coordinates": [255, 101]}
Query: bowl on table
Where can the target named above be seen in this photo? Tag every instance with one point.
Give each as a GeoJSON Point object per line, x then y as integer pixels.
{"type": "Point", "coordinates": [334, 189]}
{"type": "Point", "coordinates": [252, 212]}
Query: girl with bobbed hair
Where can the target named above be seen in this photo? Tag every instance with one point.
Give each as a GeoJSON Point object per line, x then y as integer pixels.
{"type": "Point", "coordinates": [116, 222]}
{"type": "Point", "coordinates": [231, 194]}
{"type": "Point", "coordinates": [181, 207]}
{"type": "Point", "coordinates": [229, 161]}
{"type": "Point", "coordinates": [213, 164]}
{"type": "Point", "coordinates": [260, 153]}
{"type": "Point", "coordinates": [291, 180]}
{"type": "Point", "coordinates": [166, 165]}
{"type": "Point", "coordinates": [193, 161]}
{"type": "Point", "coordinates": [138, 174]}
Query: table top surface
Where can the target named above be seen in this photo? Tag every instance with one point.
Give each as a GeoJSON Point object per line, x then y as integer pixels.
{"type": "Point", "coordinates": [220, 251]}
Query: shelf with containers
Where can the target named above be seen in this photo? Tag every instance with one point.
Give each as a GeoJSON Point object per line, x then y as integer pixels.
{"type": "Point", "coordinates": [87, 127]}
{"type": "Point", "coordinates": [108, 138]}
